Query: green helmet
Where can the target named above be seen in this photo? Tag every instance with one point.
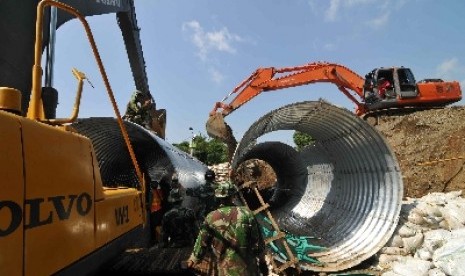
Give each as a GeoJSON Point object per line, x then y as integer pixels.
{"type": "Point", "coordinates": [225, 189]}
{"type": "Point", "coordinates": [175, 196]}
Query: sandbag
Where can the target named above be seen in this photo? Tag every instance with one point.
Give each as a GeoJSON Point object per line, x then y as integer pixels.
{"type": "Point", "coordinates": [423, 254]}
{"type": "Point", "coordinates": [411, 244]}
{"type": "Point", "coordinates": [406, 231]}
{"type": "Point", "coordinates": [454, 214]}
{"type": "Point", "coordinates": [384, 259]}
{"type": "Point", "coordinates": [411, 267]}
{"type": "Point", "coordinates": [436, 272]}
{"type": "Point", "coordinates": [450, 258]}
{"type": "Point", "coordinates": [394, 251]}
{"type": "Point", "coordinates": [395, 241]}
{"type": "Point", "coordinates": [435, 238]}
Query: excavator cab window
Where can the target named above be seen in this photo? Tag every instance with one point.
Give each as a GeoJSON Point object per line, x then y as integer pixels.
{"type": "Point", "coordinates": [386, 75]}
{"type": "Point", "coordinates": [369, 81]}
{"type": "Point", "coordinates": [369, 88]}
{"type": "Point", "coordinates": [407, 83]}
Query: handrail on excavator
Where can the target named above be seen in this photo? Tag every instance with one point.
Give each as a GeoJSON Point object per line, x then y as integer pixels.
{"type": "Point", "coordinates": [35, 111]}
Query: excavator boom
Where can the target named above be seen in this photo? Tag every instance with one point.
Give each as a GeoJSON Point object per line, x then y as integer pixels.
{"type": "Point", "coordinates": [269, 79]}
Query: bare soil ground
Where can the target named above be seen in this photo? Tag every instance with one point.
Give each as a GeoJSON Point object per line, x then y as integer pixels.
{"type": "Point", "coordinates": [430, 149]}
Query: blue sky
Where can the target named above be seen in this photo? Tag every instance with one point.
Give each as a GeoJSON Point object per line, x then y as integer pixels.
{"type": "Point", "coordinates": [196, 52]}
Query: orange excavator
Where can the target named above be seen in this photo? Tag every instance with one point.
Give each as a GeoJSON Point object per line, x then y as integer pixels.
{"type": "Point", "coordinates": [383, 89]}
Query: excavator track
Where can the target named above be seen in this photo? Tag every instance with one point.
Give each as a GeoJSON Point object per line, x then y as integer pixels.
{"type": "Point", "coordinates": [372, 117]}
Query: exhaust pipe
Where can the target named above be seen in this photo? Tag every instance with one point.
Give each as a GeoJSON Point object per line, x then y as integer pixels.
{"type": "Point", "coordinates": [345, 190]}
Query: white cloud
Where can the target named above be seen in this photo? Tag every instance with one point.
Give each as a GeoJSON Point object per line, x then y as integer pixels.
{"type": "Point", "coordinates": [380, 21]}
{"type": "Point", "coordinates": [356, 2]}
{"type": "Point", "coordinates": [451, 69]}
{"type": "Point", "coordinates": [448, 67]}
{"type": "Point", "coordinates": [209, 41]}
{"type": "Point", "coordinates": [331, 12]}
{"type": "Point", "coordinates": [383, 7]}
{"type": "Point", "coordinates": [216, 75]}
{"type": "Point", "coordinates": [336, 6]}
{"type": "Point", "coordinates": [330, 47]}
{"type": "Point", "coordinates": [313, 6]}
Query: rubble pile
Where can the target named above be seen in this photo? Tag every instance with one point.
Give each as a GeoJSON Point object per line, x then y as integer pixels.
{"type": "Point", "coordinates": [221, 171]}
{"type": "Point", "coordinates": [429, 239]}
{"type": "Point", "coordinates": [250, 170]}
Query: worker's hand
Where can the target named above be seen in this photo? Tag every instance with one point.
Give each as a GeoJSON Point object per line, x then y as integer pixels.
{"type": "Point", "coordinates": [147, 103]}
{"type": "Point", "coordinates": [190, 263]}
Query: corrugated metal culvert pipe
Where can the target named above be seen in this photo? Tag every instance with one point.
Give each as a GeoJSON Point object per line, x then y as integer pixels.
{"type": "Point", "coordinates": [345, 190]}
{"type": "Point", "coordinates": [156, 157]}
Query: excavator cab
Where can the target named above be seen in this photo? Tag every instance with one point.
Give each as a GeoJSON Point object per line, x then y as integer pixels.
{"type": "Point", "coordinates": [384, 87]}
{"type": "Point", "coordinates": [404, 92]}
{"type": "Point", "coordinates": [374, 82]}
{"type": "Point", "coordinates": [402, 82]}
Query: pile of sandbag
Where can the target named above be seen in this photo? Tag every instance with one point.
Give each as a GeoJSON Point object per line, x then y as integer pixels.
{"type": "Point", "coordinates": [429, 239]}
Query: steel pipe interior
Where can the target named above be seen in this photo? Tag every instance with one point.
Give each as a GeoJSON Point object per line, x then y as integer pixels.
{"type": "Point", "coordinates": [345, 189]}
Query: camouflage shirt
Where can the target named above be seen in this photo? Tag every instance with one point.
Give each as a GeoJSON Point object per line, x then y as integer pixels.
{"type": "Point", "coordinates": [137, 112]}
{"type": "Point", "coordinates": [231, 235]}
{"type": "Point", "coordinates": [178, 227]}
{"type": "Point", "coordinates": [206, 195]}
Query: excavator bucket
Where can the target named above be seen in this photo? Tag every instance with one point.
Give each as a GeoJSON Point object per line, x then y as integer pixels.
{"type": "Point", "coordinates": [217, 128]}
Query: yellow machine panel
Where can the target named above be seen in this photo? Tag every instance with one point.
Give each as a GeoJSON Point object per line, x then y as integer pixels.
{"type": "Point", "coordinates": [118, 213]}
{"type": "Point", "coordinates": [59, 206]}
{"type": "Point", "coordinates": [11, 196]}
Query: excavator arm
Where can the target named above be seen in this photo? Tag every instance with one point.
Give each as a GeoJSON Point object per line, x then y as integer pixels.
{"type": "Point", "coordinates": [270, 79]}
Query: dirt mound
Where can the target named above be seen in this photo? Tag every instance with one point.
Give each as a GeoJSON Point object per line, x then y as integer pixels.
{"type": "Point", "coordinates": [430, 148]}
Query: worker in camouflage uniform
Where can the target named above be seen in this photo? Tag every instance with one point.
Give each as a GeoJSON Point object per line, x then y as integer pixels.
{"type": "Point", "coordinates": [178, 224]}
{"type": "Point", "coordinates": [205, 194]}
{"type": "Point", "coordinates": [229, 236]}
{"type": "Point", "coordinates": [138, 109]}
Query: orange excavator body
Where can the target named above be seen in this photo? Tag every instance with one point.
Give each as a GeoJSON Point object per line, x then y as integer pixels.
{"type": "Point", "coordinates": [363, 92]}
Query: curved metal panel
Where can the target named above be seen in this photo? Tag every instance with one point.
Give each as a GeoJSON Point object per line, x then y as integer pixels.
{"type": "Point", "coordinates": [345, 189]}
{"type": "Point", "coordinates": [156, 157]}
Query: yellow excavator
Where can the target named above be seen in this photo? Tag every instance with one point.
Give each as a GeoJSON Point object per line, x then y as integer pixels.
{"type": "Point", "coordinates": [56, 214]}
